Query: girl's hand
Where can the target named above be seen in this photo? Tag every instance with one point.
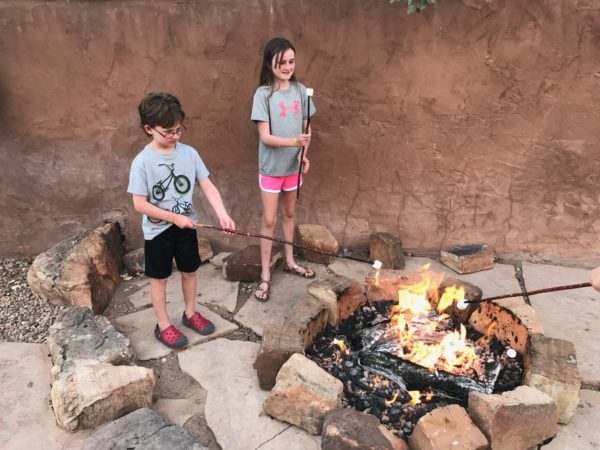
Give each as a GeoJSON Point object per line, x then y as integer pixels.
{"type": "Point", "coordinates": [303, 140]}
{"type": "Point", "coordinates": [305, 164]}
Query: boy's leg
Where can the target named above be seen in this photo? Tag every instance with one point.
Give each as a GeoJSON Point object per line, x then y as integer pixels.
{"type": "Point", "coordinates": [188, 286]}
{"type": "Point", "coordinates": [158, 294]}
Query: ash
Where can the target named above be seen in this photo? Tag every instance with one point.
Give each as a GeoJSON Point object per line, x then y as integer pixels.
{"type": "Point", "coordinates": [380, 396]}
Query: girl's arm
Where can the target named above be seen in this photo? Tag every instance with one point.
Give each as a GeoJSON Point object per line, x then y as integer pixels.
{"type": "Point", "coordinates": [214, 198]}
{"type": "Point", "coordinates": [143, 206]}
{"type": "Point", "coordinates": [302, 140]}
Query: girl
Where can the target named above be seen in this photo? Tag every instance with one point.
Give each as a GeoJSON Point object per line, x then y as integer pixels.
{"type": "Point", "coordinates": [280, 109]}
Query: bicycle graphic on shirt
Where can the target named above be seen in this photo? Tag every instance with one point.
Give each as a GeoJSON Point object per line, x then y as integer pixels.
{"type": "Point", "coordinates": [181, 183]}
{"type": "Point", "coordinates": [180, 207]}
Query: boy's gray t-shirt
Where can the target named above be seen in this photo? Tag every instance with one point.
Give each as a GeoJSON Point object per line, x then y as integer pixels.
{"type": "Point", "coordinates": [288, 109]}
{"type": "Point", "coordinates": [167, 181]}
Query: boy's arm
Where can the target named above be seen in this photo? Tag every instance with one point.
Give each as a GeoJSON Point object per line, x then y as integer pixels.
{"type": "Point", "coordinates": [143, 206]}
{"type": "Point", "coordinates": [595, 278]}
{"type": "Point", "coordinates": [215, 200]}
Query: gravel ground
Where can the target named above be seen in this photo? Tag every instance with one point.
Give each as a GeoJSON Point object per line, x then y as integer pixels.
{"type": "Point", "coordinates": [24, 317]}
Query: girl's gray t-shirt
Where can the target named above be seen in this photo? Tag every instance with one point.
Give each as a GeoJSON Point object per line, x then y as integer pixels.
{"type": "Point", "coordinates": [288, 109]}
{"type": "Point", "coordinates": [167, 181]}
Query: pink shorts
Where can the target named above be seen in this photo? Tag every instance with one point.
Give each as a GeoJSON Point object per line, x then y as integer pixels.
{"type": "Point", "coordinates": [278, 184]}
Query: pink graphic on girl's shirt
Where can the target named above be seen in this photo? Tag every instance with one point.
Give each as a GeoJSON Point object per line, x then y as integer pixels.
{"type": "Point", "coordinates": [283, 109]}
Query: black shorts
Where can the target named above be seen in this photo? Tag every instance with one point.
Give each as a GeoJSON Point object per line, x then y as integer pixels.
{"type": "Point", "coordinates": [174, 242]}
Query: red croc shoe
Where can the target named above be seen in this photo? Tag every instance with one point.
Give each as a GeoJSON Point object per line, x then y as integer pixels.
{"type": "Point", "coordinates": [171, 337]}
{"type": "Point", "coordinates": [198, 323]}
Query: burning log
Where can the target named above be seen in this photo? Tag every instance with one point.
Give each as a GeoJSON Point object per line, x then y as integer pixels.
{"type": "Point", "coordinates": [418, 377]}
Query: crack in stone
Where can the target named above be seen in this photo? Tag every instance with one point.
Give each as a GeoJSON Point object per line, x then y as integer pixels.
{"type": "Point", "coordinates": [269, 440]}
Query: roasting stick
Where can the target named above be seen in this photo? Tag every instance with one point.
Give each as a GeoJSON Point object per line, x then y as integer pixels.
{"type": "Point", "coordinates": [283, 241]}
{"type": "Point", "coordinates": [538, 291]}
{"type": "Point", "coordinates": [309, 93]}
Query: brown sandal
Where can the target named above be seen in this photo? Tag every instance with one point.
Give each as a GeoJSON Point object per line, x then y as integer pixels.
{"type": "Point", "coordinates": [264, 295]}
{"type": "Point", "coordinates": [301, 271]}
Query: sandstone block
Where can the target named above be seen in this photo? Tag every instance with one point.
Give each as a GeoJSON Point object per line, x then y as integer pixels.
{"type": "Point", "coordinates": [319, 238]}
{"type": "Point", "coordinates": [142, 428]}
{"type": "Point", "coordinates": [339, 294]}
{"type": "Point", "coordinates": [134, 262]}
{"type": "Point", "coordinates": [447, 427]}
{"type": "Point", "coordinates": [90, 395]}
{"type": "Point", "coordinates": [387, 248]}
{"type": "Point", "coordinates": [245, 264]}
{"type": "Point", "coordinates": [304, 394]}
{"type": "Point", "coordinates": [83, 270]}
{"type": "Point", "coordinates": [510, 320]}
{"type": "Point", "coordinates": [348, 429]}
{"type": "Point", "coordinates": [468, 258]}
{"type": "Point", "coordinates": [279, 342]}
{"type": "Point", "coordinates": [311, 317]}
{"type": "Point", "coordinates": [518, 419]}
{"type": "Point", "coordinates": [384, 284]}
{"type": "Point", "coordinates": [551, 367]}
{"type": "Point", "coordinates": [205, 249]}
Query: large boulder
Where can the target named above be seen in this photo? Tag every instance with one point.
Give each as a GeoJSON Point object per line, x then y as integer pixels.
{"type": "Point", "coordinates": [82, 270]}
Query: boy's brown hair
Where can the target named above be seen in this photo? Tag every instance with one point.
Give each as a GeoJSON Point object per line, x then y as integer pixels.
{"type": "Point", "coordinates": [160, 109]}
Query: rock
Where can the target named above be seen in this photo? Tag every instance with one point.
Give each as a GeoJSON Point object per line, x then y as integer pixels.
{"type": "Point", "coordinates": [348, 429]}
{"type": "Point", "coordinates": [141, 429]}
{"type": "Point", "coordinates": [310, 317]}
{"type": "Point", "coordinates": [303, 394]}
{"type": "Point", "coordinates": [551, 367]}
{"type": "Point", "coordinates": [219, 259]}
{"type": "Point", "coordinates": [319, 238]}
{"type": "Point", "coordinates": [384, 284]}
{"type": "Point", "coordinates": [386, 248]}
{"type": "Point", "coordinates": [89, 395]}
{"type": "Point", "coordinates": [205, 249]}
{"type": "Point", "coordinates": [83, 270]}
{"type": "Point", "coordinates": [471, 292]}
{"type": "Point", "coordinates": [245, 264]}
{"type": "Point", "coordinates": [340, 295]}
{"type": "Point", "coordinates": [279, 342]}
{"type": "Point", "coordinates": [78, 335]}
{"type": "Point", "coordinates": [468, 258]}
{"type": "Point", "coordinates": [447, 427]}
{"type": "Point", "coordinates": [519, 419]}
{"type": "Point", "coordinates": [134, 262]}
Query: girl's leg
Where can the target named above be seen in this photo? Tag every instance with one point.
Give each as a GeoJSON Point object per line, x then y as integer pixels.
{"type": "Point", "coordinates": [188, 286]}
{"type": "Point", "coordinates": [288, 212]}
{"type": "Point", "coordinates": [269, 219]}
{"type": "Point", "coordinates": [158, 294]}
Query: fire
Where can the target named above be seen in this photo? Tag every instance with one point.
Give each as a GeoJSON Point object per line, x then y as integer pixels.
{"type": "Point", "coordinates": [392, 400]}
{"type": "Point", "coordinates": [415, 398]}
{"type": "Point", "coordinates": [341, 345]}
{"type": "Point", "coordinates": [421, 331]}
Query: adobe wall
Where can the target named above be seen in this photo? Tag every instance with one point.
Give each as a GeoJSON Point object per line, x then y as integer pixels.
{"type": "Point", "coordinates": [474, 121]}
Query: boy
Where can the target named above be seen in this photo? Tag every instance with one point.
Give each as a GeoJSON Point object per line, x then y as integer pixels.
{"type": "Point", "coordinates": [161, 184]}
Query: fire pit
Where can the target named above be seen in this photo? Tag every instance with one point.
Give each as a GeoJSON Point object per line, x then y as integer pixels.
{"type": "Point", "coordinates": [400, 359]}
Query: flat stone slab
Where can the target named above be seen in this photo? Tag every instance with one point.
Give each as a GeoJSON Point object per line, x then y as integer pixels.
{"type": "Point", "coordinates": [212, 288]}
{"type": "Point", "coordinates": [234, 400]}
{"type": "Point", "coordinates": [582, 433]}
{"type": "Point", "coordinates": [352, 269]}
{"type": "Point", "coordinates": [496, 281]}
{"type": "Point", "coordinates": [27, 421]}
{"type": "Point", "coordinates": [286, 290]}
{"type": "Point", "coordinates": [572, 315]}
{"type": "Point", "coordinates": [176, 410]}
{"type": "Point", "coordinates": [139, 328]}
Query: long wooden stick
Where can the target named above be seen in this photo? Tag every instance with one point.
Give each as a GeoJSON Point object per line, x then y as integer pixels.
{"type": "Point", "coordinates": [282, 241]}
{"type": "Point", "coordinates": [538, 291]}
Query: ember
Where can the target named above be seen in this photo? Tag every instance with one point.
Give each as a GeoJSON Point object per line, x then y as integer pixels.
{"type": "Point", "coordinates": [400, 360]}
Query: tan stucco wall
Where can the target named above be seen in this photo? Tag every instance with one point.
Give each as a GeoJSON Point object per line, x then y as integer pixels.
{"type": "Point", "coordinates": [475, 121]}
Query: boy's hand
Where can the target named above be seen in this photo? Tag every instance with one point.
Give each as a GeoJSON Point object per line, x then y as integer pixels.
{"type": "Point", "coordinates": [595, 278]}
{"type": "Point", "coordinates": [227, 223]}
{"type": "Point", "coordinates": [183, 221]}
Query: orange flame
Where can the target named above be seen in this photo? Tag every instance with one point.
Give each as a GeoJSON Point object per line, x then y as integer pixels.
{"type": "Point", "coordinates": [415, 398]}
{"type": "Point", "coordinates": [421, 332]}
{"type": "Point", "coordinates": [341, 345]}
{"type": "Point", "coordinates": [392, 400]}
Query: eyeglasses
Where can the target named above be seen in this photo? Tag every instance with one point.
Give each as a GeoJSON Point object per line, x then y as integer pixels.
{"type": "Point", "coordinates": [177, 132]}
